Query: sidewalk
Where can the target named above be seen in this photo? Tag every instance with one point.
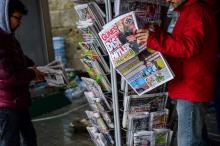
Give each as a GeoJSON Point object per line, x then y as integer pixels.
{"type": "Point", "coordinates": [54, 128]}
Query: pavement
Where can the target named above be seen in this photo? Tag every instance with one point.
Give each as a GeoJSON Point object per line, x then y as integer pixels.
{"type": "Point", "coordinates": [53, 129]}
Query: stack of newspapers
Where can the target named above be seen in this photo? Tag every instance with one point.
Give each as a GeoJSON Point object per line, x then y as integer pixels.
{"type": "Point", "coordinates": [145, 118]}
{"type": "Point", "coordinates": [142, 68]}
{"type": "Point", "coordinates": [99, 116]}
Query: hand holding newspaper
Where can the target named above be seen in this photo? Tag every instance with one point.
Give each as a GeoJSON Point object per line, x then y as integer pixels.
{"type": "Point", "coordinates": [54, 73]}
{"type": "Point", "coordinates": [142, 69]}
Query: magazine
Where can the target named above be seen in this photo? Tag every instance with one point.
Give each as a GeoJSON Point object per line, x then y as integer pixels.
{"type": "Point", "coordinates": [97, 121]}
{"type": "Point", "coordinates": [91, 11]}
{"type": "Point", "coordinates": [161, 137]}
{"type": "Point", "coordinates": [93, 134]}
{"type": "Point", "coordinates": [139, 121]}
{"type": "Point", "coordinates": [148, 103]}
{"type": "Point", "coordinates": [93, 52]}
{"type": "Point", "coordinates": [55, 74]}
{"type": "Point", "coordinates": [143, 70]}
{"type": "Point", "coordinates": [93, 86]}
{"type": "Point", "coordinates": [96, 72]}
{"type": "Point", "coordinates": [91, 100]}
{"type": "Point", "coordinates": [104, 113]}
{"type": "Point", "coordinates": [136, 122]}
{"type": "Point", "coordinates": [97, 105]}
{"type": "Point", "coordinates": [100, 139]}
{"type": "Point", "coordinates": [144, 138]}
{"type": "Point", "coordinates": [158, 119]}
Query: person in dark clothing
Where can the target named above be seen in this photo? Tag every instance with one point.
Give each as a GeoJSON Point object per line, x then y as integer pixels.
{"type": "Point", "coordinates": [15, 76]}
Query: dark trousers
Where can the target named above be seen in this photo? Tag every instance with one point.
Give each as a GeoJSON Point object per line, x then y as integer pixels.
{"type": "Point", "coordinates": [16, 128]}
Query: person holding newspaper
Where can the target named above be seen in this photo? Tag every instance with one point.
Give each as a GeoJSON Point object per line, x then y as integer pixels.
{"type": "Point", "coordinates": [191, 47]}
{"type": "Point", "coordinates": [15, 76]}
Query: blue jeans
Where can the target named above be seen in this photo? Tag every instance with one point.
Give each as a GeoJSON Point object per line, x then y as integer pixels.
{"type": "Point", "coordinates": [16, 128]}
{"type": "Point", "coordinates": [191, 123]}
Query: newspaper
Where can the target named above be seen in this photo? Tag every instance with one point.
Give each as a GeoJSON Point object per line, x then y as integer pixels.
{"type": "Point", "coordinates": [90, 23]}
{"type": "Point", "coordinates": [97, 121]}
{"type": "Point", "coordinates": [162, 137]}
{"type": "Point", "coordinates": [138, 121]}
{"type": "Point", "coordinates": [100, 139]}
{"type": "Point", "coordinates": [144, 103]}
{"type": "Point", "coordinates": [55, 74]}
{"type": "Point", "coordinates": [91, 100]}
{"type": "Point", "coordinates": [97, 105]}
{"type": "Point", "coordinates": [91, 51]}
{"type": "Point", "coordinates": [91, 11]}
{"type": "Point", "coordinates": [148, 103]}
{"type": "Point", "coordinates": [157, 137]}
{"type": "Point", "coordinates": [144, 138]}
{"type": "Point", "coordinates": [158, 119]}
{"type": "Point", "coordinates": [118, 36]}
{"type": "Point", "coordinates": [93, 86]}
{"type": "Point", "coordinates": [143, 70]}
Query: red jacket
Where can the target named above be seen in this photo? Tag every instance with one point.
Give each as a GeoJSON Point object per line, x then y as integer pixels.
{"type": "Point", "coordinates": [192, 52]}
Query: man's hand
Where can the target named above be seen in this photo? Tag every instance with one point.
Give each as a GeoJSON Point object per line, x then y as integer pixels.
{"type": "Point", "coordinates": [38, 75]}
{"type": "Point", "coordinates": [142, 35]}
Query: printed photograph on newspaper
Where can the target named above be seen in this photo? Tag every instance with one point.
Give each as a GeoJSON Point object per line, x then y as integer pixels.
{"type": "Point", "coordinates": [118, 36]}
{"type": "Point", "coordinates": [146, 72]}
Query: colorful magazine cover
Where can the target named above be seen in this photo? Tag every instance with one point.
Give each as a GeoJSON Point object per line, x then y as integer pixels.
{"type": "Point", "coordinates": [158, 119]}
{"type": "Point", "coordinates": [93, 52]}
{"type": "Point", "coordinates": [96, 72]}
{"type": "Point", "coordinates": [161, 137]}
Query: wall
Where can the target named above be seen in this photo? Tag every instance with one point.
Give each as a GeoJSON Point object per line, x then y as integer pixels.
{"type": "Point", "coordinates": [63, 21]}
{"type": "Point", "coordinates": [34, 35]}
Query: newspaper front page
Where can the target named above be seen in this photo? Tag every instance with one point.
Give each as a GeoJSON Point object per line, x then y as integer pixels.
{"type": "Point", "coordinates": [142, 68]}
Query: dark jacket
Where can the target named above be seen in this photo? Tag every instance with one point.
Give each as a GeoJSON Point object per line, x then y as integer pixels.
{"type": "Point", "coordinates": [192, 48]}
{"type": "Point", "coordinates": [14, 74]}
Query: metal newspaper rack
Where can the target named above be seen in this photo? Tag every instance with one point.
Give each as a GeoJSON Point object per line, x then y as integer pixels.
{"type": "Point", "coordinates": [115, 101]}
{"type": "Point", "coordinates": [118, 139]}
{"type": "Point", "coordinates": [114, 86]}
